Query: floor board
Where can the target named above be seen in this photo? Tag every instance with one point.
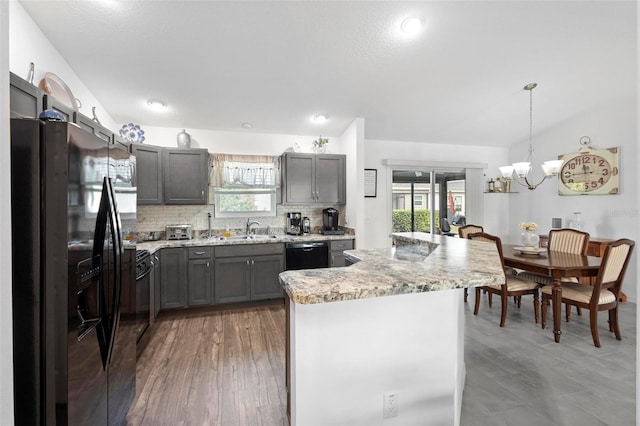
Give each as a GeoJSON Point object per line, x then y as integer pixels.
{"type": "Point", "coordinates": [226, 367]}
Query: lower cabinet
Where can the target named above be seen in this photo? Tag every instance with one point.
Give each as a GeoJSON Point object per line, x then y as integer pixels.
{"type": "Point", "coordinates": [155, 284]}
{"type": "Point", "coordinates": [173, 278]}
{"type": "Point", "coordinates": [199, 276]}
{"type": "Point", "coordinates": [336, 252]}
{"type": "Point", "coordinates": [248, 272]}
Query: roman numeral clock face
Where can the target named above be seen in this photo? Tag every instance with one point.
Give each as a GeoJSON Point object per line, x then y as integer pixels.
{"type": "Point", "coordinates": [589, 172]}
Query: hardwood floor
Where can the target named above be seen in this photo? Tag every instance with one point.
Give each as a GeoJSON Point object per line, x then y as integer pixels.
{"type": "Point", "coordinates": [226, 367]}
{"type": "Point", "coordinates": [213, 368]}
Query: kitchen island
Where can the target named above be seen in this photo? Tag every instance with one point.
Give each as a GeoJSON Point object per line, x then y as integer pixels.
{"type": "Point", "coordinates": [389, 324]}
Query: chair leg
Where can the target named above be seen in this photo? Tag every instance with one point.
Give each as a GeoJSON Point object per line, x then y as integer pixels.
{"type": "Point", "coordinates": [567, 310]}
{"type": "Point", "coordinates": [490, 299]}
{"type": "Point", "coordinates": [579, 310]}
{"type": "Point", "coordinates": [545, 305]}
{"type": "Point", "coordinates": [613, 322]}
{"type": "Point", "coordinates": [466, 293]}
{"type": "Point", "coordinates": [477, 306]}
{"type": "Point", "coordinates": [593, 322]}
{"type": "Point", "coordinates": [519, 300]}
{"type": "Point", "coordinates": [504, 301]}
{"type": "Point", "coordinates": [536, 307]}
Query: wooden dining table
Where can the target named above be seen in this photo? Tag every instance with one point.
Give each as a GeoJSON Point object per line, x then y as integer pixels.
{"type": "Point", "coordinates": [556, 265]}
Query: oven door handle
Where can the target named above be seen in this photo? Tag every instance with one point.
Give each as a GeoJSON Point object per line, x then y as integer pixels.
{"type": "Point", "coordinates": [143, 275]}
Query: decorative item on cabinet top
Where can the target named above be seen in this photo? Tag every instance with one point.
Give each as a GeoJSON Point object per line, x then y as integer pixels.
{"type": "Point", "coordinates": [132, 133]}
{"type": "Point", "coordinates": [184, 139]}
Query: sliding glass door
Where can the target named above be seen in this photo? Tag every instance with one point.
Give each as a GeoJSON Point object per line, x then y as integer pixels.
{"type": "Point", "coordinates": [428, 200]}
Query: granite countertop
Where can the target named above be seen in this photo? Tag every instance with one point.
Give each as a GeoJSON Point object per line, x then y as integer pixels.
{"type": "Point", "coordinates": [419, 263]}
{"type": "Point", "coordinates": [154, 246]}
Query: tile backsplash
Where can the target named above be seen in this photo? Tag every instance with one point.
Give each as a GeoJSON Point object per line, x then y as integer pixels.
{"type": "Point", "coordinates": [156, 218]}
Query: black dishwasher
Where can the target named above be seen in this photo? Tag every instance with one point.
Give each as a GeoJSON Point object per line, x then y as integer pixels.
{"type": "Point", "coordinates": [308, 255]}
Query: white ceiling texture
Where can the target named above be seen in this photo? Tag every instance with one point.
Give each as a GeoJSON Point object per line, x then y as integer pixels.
{"type": "Point", "coordinates": [218, 64]}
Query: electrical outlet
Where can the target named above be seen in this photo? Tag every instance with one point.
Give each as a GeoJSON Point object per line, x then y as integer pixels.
{"type": "Point", "coordinates": [389, 405]}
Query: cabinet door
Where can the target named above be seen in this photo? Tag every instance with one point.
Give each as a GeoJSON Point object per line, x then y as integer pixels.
{"type": "Point", "coordinates": [330, 179]}
{"type": "Point", "coordinates": [232, 279]}
{"type": "Point", "coordinates": [199, 278]}
{"type": "Point", "coordinates": [148, 173]}
{"type": "Point", "coordinates": [49, 102]}
{"type": "Point", "coordinates": [25, 98]}
{"type": "Point", "coordinates": [185, 176]}
{"type": "Point", "coordinates": [300, 178]}
{"type": "Point", "coordinates": [173, 289]}
{"type": "Point", "coordinates": [92, 127]}
{"type": "Point", "coordinates": [264, 276]}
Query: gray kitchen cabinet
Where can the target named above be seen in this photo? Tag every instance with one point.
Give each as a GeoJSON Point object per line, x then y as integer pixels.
{"type": "Point", "coordinates": [156, 283]}
{"type": "Point", "coordinates": [248, 272]}
{"type": "Point", "coordinates": [264, 276]}
{"type": "Point", "coordinates": [25, 99]}
{"type": "Point", "coordinates": [314, 178]}
{"type": "Point", "coordinates": [148, 173]}
{"type": "Point", "coordinates": [173, 286]}
{"type": "Point", "coordinates": [185, 176]}
{"type": "Point", "coordinates": [92, 127]}
{"type": "Point", "coordinates": [199, 276]}
{"type": "Point", "coordinates": [336, 248]}
{"type": "Point", "coordinates": [49, 102]}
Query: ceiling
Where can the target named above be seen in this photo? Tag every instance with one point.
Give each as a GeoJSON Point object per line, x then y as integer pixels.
{"type": "Point", "coordinates": [275, 65]}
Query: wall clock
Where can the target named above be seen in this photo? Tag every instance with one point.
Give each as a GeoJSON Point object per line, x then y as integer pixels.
{"type": "Point", "coordinates": [590, 171]}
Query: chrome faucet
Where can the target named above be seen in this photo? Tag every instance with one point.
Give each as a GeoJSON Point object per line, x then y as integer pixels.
{"type": "Point", "coordinates": [249, 223]}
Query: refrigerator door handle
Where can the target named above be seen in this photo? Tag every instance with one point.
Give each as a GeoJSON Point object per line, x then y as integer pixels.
{"type": "Point", "coordinates": [116, 237]}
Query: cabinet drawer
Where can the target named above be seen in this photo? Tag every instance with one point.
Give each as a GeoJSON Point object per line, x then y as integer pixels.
{"type": "Point", "coordinates": [341, 245]}
{"type": "Point", "coordinates": [249, 250]}
{"type": "Point", "coordinates": [199, 252]}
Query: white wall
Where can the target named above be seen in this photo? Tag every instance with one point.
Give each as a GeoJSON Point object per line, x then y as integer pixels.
{"type": "Point", "coordinates": [28, 44]}
{"type": "Point", "coordinates": [6, 354]}
{"type": "Point", "coordinates": [612, 124]}
{"type": "Point", "coordinates": [377, 222]}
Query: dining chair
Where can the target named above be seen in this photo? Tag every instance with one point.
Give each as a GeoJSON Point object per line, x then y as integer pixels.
{"type": "Point", "coordinates": [563, 240]}
{"type": "Point", "coordinates": [601, 296]}
{"type": "Point", "coordinates": [514, 285]}
{"type": "Point", "coordinates": [463, 232]}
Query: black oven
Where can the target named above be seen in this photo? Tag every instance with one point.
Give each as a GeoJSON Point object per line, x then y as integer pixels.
{"type": "Point", "coordinates": [308, 255]}
{"type": "Point", "coordinates": [143, 295]}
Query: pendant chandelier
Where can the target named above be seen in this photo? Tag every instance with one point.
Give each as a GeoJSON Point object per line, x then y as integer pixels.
{"type": "Point", "coordinates": [530, 173]}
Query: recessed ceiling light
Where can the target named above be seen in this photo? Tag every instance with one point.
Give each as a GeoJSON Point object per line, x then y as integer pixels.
{"type": "Point", "coordinates": [411, 25]}
{"type": "Point", "coordinates": [247, 125]}
{"type": "Point", "coordinates": [156, 104]}
{"type": "Point", "coordinates": [320, 118]}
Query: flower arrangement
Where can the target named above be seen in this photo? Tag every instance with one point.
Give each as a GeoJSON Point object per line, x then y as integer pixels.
{"type": "Point", "coordinates": [529, 226]}
{"type": "Point", "coordinates": [320, 142]}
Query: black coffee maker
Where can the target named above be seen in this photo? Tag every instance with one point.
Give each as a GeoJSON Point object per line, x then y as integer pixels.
{"type": "Point", "coordinates": [330, 222]}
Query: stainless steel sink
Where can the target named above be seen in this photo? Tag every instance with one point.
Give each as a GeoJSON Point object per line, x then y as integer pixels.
{"type": "Point", "coordinates": [248, 237]}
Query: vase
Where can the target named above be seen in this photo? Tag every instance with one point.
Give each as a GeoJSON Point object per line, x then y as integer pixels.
{"type": "Point", "coordinates": [530, 239]}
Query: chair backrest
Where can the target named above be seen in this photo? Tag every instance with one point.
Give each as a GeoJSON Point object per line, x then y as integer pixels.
{"type": "Point", "coordinates": [613, 267]}
{"type": "Point", "coordinates": [444, 225]}
{"type": "Point", "coordinates": [568, 241]}
{"type": "Point", "coordinates": [464, 231]}
{"type": "Point", "coordinates": [483, 236]}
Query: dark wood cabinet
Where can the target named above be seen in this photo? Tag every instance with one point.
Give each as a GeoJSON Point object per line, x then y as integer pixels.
{"type": "Point", "coordinates": [92, 127]}
{"type": "Point", "coordinates": [265, 283]}
{"type": "Point", "coordinates": [25, 99]}
{"type": "Point", "coordinates": [173, 294]}
{"type": "Point", "coordinates": [185, 176]}
{"type": "Point", "coordinates": [148, 173]}
{"type": "Point", "coordinates": [336, 251]}
{"type": "Point", "coordinates": [156, 283]}
{"type": "Point", "coordinates": [232, 279]}
{"type": "Point", "coordinates": [314, 178]}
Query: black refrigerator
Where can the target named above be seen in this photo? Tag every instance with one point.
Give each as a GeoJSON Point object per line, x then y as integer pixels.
{"type": "Point", "coordinates": [73, 199]}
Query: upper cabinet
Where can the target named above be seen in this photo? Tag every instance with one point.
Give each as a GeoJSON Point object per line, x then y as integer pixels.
{"type": "Point", "coordinates": [314, 178]}
{"type": "Point", "coordinates": [25, 98]}
{"type": "Point", "coordinates": [171, 176]}
{"type": "Point", "coordinates": [148, 173]}
{"type": "Point", "coordinates": [93, 127]}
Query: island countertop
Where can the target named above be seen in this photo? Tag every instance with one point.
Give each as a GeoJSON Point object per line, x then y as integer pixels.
{"type": "Point", "coordinates": [420, 262]}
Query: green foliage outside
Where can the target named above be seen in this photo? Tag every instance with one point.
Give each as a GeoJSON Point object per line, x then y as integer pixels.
{"type": "Point", "coordinates": [402, 220]}
{"type": "Point", "coordinates": [237, 202]}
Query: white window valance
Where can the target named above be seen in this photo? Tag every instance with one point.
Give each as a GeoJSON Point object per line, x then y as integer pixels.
{"type": "Point", "coordinates": [244, 171]}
